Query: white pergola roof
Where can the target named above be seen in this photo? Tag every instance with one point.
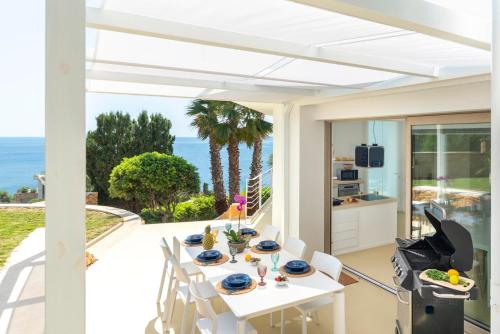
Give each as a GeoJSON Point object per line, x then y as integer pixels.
{"type": "Point", "coordinates": [278, 50]}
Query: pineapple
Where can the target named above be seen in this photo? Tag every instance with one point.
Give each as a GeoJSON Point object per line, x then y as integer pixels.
{"type": "Point", "coordinates": [208, 239]}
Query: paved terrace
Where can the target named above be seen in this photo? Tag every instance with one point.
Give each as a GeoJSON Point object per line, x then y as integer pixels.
{"type": "Point", "coordinates": [123, 283]}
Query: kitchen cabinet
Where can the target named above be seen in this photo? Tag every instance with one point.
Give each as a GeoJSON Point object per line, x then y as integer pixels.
{"type": "Point", "coordinates": [363, 225]}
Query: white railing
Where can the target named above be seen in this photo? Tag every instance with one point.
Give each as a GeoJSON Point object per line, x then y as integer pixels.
{"type": "Point", "coordinates": [258, 191]}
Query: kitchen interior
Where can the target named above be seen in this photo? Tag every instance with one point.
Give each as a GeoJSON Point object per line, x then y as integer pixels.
{"type": "Point", "coordinates": [450, 176]}
{"type": "Point", "coordinates": [368, 194]}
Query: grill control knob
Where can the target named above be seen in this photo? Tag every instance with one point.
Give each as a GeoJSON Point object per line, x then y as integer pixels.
{"type": "Point", "coordinates": [393, 259]}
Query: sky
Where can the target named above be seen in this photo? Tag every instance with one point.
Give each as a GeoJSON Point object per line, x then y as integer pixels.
{"type": "Point", "coordinates": [22, 57]}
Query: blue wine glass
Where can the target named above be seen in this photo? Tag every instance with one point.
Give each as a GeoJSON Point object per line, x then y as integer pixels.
{"type": "Point", "coordinates": [275, 257]}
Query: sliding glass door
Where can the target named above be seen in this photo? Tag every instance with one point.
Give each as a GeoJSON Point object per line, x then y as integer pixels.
{"type": "Point", "coordinates": [450, 165]}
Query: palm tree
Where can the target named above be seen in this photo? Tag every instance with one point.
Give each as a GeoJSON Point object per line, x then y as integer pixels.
{"type": "Point", "coordinates": [205, 114]}
{"type": "Point", "coordinates": [255, 130]}
{"type": "Point", "coordinates": [229, 132]}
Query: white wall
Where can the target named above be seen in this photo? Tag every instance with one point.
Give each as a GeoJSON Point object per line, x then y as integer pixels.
{"type": "Point", "coordinates": [306, 186]}
{"type": "Point", "coordinates": [459, 98]}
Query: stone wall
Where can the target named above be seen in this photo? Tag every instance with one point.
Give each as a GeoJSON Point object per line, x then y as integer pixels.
{"type": "Point", "coordinates": [24, 197]}
{"type": "Point", "coordinates": [92, 198]}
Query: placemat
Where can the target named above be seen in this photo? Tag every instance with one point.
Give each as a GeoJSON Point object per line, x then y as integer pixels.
{"type": "Point", "coordinates": [309, 273]}
{"type": "Point", "coordinates": [254, 236]}
{"type": "Point", "coordinates": [220, 289]}
{"type": "Point", "coordinates": [183, 243]}
{"type": "Point", "coordinates": [220, 261]}
{"type": "Point", "coordinates": [257, 251]}
{"type": "Point", "coordinates": [346, 280]}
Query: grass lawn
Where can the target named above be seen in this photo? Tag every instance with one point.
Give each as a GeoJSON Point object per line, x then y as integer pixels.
{"type": "Point", "coordinates": [17, 223]}
{"type": "Point", "coordinates": [474, 183]}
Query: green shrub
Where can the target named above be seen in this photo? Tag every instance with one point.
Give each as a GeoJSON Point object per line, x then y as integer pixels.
{"type": "Point", "coordinates": [4, 197]}
{"type": "Point", "coordinates": [25, 190]}
{"type": "Point", "coordinates": [198, 208]}
{"type": "Point", "coordinates": [151, 216]}
{"type": "Point", "coordinates": [155, 180]}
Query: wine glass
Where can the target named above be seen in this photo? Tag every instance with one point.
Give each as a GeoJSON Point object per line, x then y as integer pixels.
{"type": "Point", "coordinates": [215, 233]}
{"type": "Point", "coordinates": [228, 226]}
{"type": "Point", "coordinates": [262, 270]}
{"type": "Point", "coordinates": [233, 251]}
{"type": "Point", "coordinates": [275, 257]}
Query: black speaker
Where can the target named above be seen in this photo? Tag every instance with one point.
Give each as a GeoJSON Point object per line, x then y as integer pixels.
{"type": "Point", "coordinates": [361, 155]}
{"type": "Point", "coordinates": [376, 156]}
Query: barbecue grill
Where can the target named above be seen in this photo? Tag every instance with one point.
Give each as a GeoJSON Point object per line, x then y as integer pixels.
{"type": "Point", "coordinates": [424, 307]}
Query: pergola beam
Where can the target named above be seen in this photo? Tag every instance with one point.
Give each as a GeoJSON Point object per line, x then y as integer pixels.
{"type": "Point", "coordinates": [221, 73]}
{"type": "Point", "coordinates": [415, 15]}
{"type": "Point", "coordinates": [198, 83]}
{"type": "Point", "coordinates": [141, 25]}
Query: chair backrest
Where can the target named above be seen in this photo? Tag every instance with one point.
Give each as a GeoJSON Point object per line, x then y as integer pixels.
{"type": "Point", "coordinates": [177, 248]}
{"type": "Point", "coordinates": [203, 306]}
{"type": "Point", "coordinates": [270, 232]}
{"type": "Point", "coordinates": [167, 252]}
{"type": "Point", "coordinates": [295, 246]}
{"type": "Point", "coordinates": [180, 273]}
{"type": "Point", "coordinates": [328, 264]}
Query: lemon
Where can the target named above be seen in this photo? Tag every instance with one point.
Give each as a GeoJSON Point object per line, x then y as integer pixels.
{"type": "Point", "coordinates": [454, 279]}
{"type": "Point", "coordinates": [248, 257]}
{"type": "Point", "coordinates": [453, 272]}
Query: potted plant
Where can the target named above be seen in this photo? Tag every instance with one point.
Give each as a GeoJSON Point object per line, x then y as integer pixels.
{"type": "Point", "coordinates": [234, 238]}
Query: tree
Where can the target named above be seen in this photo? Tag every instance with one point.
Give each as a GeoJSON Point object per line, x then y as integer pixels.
{"type": "Point", "coordinates": [117, 136]}
{"type": "Point", "coordinates": [155, 180]}
{"type": "Point", "coordinates": [205, 120]}
{"type": "Point", "coordinates": [151, 133]}
{"type": "Point", "coordinates": [229, 132]}
{"type": "Point", "coordinates": [256, 128]}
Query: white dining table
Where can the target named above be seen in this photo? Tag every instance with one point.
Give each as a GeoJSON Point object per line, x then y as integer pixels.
{"type": "Point", "coordinates": [270, 298]}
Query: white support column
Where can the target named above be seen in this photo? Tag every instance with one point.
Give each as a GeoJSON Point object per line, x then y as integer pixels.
{"type": "Point", "coordinates": [65, 167]}
{"type": "Point", "coordinates": [281, 120]}
{"type": "Point", "coordinates": [306, 192]}
{"type": "Point", "coordinates": [495, 170]}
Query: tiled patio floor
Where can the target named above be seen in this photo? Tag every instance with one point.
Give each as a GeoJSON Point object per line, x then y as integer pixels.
{"type": "Point", "coordinates": [122, 288]}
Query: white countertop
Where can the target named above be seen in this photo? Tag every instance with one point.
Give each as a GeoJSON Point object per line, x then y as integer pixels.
{"type": "Point", "coordinates": [360, 203]}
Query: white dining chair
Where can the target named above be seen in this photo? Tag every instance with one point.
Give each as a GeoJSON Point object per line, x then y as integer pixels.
{"type": "Point", "coordinates": [332, 267]}
{"type": "Point", "coordinates": [297, 248]}
{"type": "Point", "coordinates": [170, 276]}
{"type": "Point", "coordinates": [207, 321]}
{"type": "Point", "coordinates": [181, 289]}
{"type": "Point", "coordinates": [270, 232]}
{"type": "Point", "coordinates": [190, 267]}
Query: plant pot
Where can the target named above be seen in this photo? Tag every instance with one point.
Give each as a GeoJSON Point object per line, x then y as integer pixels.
{"type": "Point", "coordinates": [240, 246]}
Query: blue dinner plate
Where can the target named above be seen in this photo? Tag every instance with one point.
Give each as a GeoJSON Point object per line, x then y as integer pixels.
{"type": "Point", "coordinates": [236, 282]}
{"type": "Point", "coordinates": [297, 267]}
{"type": "Point", "coordinates": [248, 231]}
{"type": "Point", "coordinates": [267, 245]}
{"type": "Point", "coordinates": [194, 239]}
{"type": "Point", "coordinates": [209, 255]}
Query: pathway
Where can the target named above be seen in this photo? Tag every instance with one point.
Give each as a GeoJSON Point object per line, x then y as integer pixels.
{"type": "Point", "coordinates": [22, 278]}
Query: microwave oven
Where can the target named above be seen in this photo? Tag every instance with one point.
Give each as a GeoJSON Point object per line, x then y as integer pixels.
{"type": "Point", "coordinates": [347, 174]}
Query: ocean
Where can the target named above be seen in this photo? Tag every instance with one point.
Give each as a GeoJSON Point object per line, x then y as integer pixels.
{"type": "Point", "coordinates": [21, 158]}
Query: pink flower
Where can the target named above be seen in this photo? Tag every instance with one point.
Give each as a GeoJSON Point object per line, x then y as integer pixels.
{"type": "Point", "coordinates": [241, 200]}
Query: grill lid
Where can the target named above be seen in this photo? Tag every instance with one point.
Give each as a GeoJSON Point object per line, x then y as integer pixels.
{"type": "Point", "coordinates": [451, 240]}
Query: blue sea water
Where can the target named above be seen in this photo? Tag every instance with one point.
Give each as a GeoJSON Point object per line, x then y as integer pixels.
{"type": "Point", "coordinates": [21, 158]}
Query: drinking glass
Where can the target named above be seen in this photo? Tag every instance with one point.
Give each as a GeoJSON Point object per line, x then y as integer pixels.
{"type": "Point", "coordinates": [275, 257]}
{"type": "Point", "coordinates": [215, 233]}
{"type": "Point", "coordinates": [262, 270]}
{"type": "Point", "coordinates": [233, 251]}
{"type": "Point", "coordinates": [228, 226]}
